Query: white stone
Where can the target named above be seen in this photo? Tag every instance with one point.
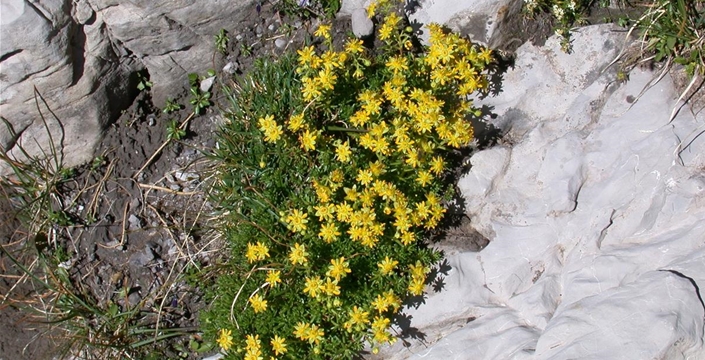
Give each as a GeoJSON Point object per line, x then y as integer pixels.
{"type": "Point", "coordinates": [477, 18]}
{"type": "Point", "coordinates": [362, 25]}
{"type": "Point", "coordinates": [595, 223]}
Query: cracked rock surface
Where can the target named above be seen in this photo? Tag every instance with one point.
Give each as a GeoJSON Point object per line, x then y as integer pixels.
{"type": "Point", "coordinates": [81, 56]}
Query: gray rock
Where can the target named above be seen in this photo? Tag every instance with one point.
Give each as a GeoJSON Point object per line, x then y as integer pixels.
{"type": "Point", "coordinates": [80, 55]}
{"type": "Point", "coordinates": [75, 66]}
{"type": "Point", "coordinates": [231, 67]}
{"type": "Point", "coordinates": [280, 43]}
{"type": "Point", "coordinates": [348, 6]}
{"type": "Point", "coordinates": [83, 12]}
{"type": "Point", "coordinates": [186, 176]}
{"type": "Point", "coordinates": [134, 222]}
{"type": "Point", "coordinates": [142, 258]}
{"type": "Point", "coordinates": [480, 19]}
{"type": "Point", "coordinates": [207, 84]}
{"type": "Point", "coordinates": [362, 25]}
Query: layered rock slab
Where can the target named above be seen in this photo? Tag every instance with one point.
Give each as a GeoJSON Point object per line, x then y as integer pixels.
{"type": "Point", "coordinates": [81, 56]}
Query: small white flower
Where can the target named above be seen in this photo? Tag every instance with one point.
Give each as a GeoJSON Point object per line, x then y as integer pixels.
{"type": "Point", "coordinates": [558, 12]}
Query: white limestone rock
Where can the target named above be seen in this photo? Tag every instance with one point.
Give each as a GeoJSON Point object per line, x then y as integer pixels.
{"type": "Point", "coordinates": [481, 20]}
{"type": "Point", "coordinates": [595, 217]}
{"type": "Point", "coordinates": [362, 25]}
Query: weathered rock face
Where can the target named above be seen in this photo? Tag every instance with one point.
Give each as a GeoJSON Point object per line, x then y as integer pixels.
{"type": "Point", "coordinates": [68, 57]}
{"type": "Point", "coordinates": [594, 210]}
{"type": "Point", "coordinates": [82, 56]}
{"type": "Point", "coordinates": [481, 20]}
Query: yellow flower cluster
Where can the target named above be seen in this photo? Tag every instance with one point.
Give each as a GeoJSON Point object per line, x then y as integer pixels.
{"type": "Point", "coordinates": [379, 187]}
{"type": "Point", "coordinates": [253, 350]}
{"type": "Point", "coordinates": [272, 131]}
{"type": "Point", "coordinates": [256, 252]}
{"type": "Point", "coordinates": [309, 332]}
{"type": "Point", "coordinates": [418, 278]}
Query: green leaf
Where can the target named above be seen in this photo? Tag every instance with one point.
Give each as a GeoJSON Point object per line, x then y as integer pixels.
{"type": "Point", "coordinates": [671, 42]}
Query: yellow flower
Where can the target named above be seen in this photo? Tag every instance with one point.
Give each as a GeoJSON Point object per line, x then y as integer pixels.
{"type": "Point", "coordinates": [274, 277]}
{"type": "Point", "coordinates": [351, 194]}
{"type": "Point", "coordinates": [296, 122]}
{"type": "Point", "coordinates": [380, 323]}
{"type": "Point", "coordinates": [315, 335]}
{"type": "Point", "coordinates": [331, 287]}
{"type": "Point", "coordinates": [416, 287]}
{"type": "Point", "coordinates": [225, 340]}
{"type": "Point", "coordinates": [342, 151]}
{"type": "Point", "coordinates": [343, 212]}
{"type": "Point", "coordinates": [329, 232]}
{"type": "Point", "coordinates": [306, 55]}
{"type": "Point", "coordinates": [253, 343]}
{"type": "Point", "coordinates": [381, 303]}
{"type": "Point", "coordinates": [397, 64]}
{"type": "Point", "coordinates": [251, 253]}
{"type": "Point", "coordinates": [314, 286]}
{"type": "Point", "coordinates": [323, 31]}
{"type": "Point", "coordinates": [354, 46]}
{"type": "Point", "coordinates": [412, 158]}
{"type": "Point", "coordinates": [358, 318]}
{"type": "Point", "coordinates": [364, 176]}
{"type": "Point", "coordinates": [308, 140]}
{"type": "Point", "coordinates": [255, 355]}
{"type": "Point", "coordinates": [256, 252]}
{"type": "Point", "coordinates": [424, 177]}
{"type": "Point", "coordinates": [258, 303]}
{"type": "Point", "coordinates": [326, 79]}
{"type": "Point", "coordinates": [337, 177]}
{"type": "Point", "coordinates": [387, 265]}
{"type": "Point", "coordinates": [437, 165]}
{"type": "Point", "coordinates": [338, 268]}
{"type": "Point", "coordinates": [360, 118]}
{"type": "Point", "coordinates": [418, 271]}
{"type": "Point", "coordinates": [325, 211]}
{"type": "Point", "coordinates": [407, 238]}
{"type": "Point", "coordinates": [367, 197]}
{"type": "Point", "coordinates": [296, 221]}
{"type": "Point", "coordinates": [423, 210]}
{"type": "Point", "coordinates": [301, 330]}
{"type": "Point", "coordinates": [382, 336]}
{"type": "Point", "coordinates": [310, 89]}
{"type": "Point", "coordinates": [322, 192]}
{"type": "Point", "coordinates": [278, 345]}
{"type": "Point", "coordinates": [272, 131]}
{"type": "Point", "coordinates": [298, 254]}
{"type": "Point", "coordinates": [377, 168]}
{"type": "Point", "coordinates": [485, 55]}
{"type": "Point", "coordinates": [371, 9]}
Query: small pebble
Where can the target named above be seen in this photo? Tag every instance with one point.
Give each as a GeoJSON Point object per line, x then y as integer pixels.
{"type": "Point", "coordinates": [231, 67]}
{"type": "Point", "coordinates": [207, 83]}
{"type": "Point", "coordinates": [280, 43]}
